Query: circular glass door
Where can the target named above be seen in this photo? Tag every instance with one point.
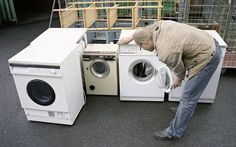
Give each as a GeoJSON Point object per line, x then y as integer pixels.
{"type": "Point", "coordinates": [41, 92]}
{"type": "Point", "coordinates": [100, 68]}
{"type": "Point", "coordinates": [142, 70]}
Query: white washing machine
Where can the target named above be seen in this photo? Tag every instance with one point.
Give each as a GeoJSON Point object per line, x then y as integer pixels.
{"type": "Point", "coordinates": [48, 82]}
{"type": "Point", "coordinates": [142, 76]}
{"type": "Point", "coordinates": [209, 94]}
{"type": "Point", "coordinates": [100, 69]}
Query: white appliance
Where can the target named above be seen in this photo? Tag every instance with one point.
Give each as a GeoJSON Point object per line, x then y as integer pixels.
{"type": "Point", "coordinates": [142, 76]}
{"type": "Point", "coordinates": [100, 69]}
{"type": "Point", "coordinates": [209, 94]}
{"type": "Point", "coordinates": [48, 81]}
{"type": "Point", "coordinates": [62, 36]}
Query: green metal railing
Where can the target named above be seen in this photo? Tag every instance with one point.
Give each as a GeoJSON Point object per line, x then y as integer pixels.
{"type": "Point", "coordinates": [7, 10]}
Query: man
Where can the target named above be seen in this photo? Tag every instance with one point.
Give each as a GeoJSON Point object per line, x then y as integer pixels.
{"type": "Point", "coordinates": [182, 48]}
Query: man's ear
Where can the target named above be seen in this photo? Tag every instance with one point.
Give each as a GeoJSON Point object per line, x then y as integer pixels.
{"type": "Point", "coordinates": [144, 42]}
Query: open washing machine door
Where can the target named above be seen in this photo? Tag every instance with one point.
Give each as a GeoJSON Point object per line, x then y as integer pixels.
{"type": "Point", "coordinates": [164, 77]}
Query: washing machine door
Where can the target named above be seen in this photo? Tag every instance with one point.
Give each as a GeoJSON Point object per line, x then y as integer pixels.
{"type": "Point", "coordinates": [40, 92]}
{"type": "Point", "coordinates": [144, 70]}
{"type": "Point", "coordinates": [164, 77]}
{"type": "Point", "coordinates": [99, 68]}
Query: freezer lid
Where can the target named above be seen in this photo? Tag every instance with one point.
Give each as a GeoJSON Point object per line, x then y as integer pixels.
{"type": "Point", "coordinates": [164, 78]}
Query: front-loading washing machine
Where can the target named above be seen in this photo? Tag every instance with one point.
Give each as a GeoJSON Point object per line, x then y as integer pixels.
{"type": "Point", "coordinates": [48, 82]}
{"type": "Point", "coordinates": [100, 69]}
{"type": "Point", "coordinates": [142, 76]}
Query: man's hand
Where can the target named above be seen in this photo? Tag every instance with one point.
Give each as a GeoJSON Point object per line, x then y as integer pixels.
{"type": "Point", "coordinates": [176, 83]}
{"type": "Point", "coordinates": [125, 40]}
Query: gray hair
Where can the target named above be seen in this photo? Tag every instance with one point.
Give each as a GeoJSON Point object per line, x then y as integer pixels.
{"type": "Point", "coordinates": [141, 35]}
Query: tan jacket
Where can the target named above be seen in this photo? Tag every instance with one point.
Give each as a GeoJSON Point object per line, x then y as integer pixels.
{"type": "Point", "coordinates": [182, 47]}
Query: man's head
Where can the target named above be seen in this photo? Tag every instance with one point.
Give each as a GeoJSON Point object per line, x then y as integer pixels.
{"type": "Point", "coordinates": [143, 38]}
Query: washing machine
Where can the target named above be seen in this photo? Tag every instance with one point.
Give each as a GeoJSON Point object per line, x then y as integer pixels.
{"type": "Point", "coordinates": [48, 82]}
{"type": "Point", "coordinates": [142, 76]}
{"type": "Point", "coordinates": [209, 94]}
{"type": "Point", "coordinates": [100, 69]}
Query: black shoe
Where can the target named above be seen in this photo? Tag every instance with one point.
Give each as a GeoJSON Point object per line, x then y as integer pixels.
{"type": "Point", "coordinates": [174, 109]}
{"type": "Point", "coordinates": [162, 135]}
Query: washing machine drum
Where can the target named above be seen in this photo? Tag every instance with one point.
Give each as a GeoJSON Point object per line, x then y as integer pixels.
{"type": "Point", "coordinates": [100, 68]}
{"type": "Point", "coordinates": [142, 70]}
{"type": "Point", "coordinates": [40, 92]}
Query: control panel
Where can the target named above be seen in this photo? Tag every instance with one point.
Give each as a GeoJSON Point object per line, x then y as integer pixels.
{"type": "Point", "coordinates": [104, 57]}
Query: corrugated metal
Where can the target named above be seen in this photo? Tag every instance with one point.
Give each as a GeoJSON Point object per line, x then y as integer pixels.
{"type": "Point", "coordinates": [7, 10]}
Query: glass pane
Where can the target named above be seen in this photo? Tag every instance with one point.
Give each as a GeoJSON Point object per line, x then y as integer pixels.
{"type": "Point", "coordinates": [99, 67]}
{"type": "Point", "coordinates": [142, 71]}
{"type": "Point", "coordinates": [40, 92]}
